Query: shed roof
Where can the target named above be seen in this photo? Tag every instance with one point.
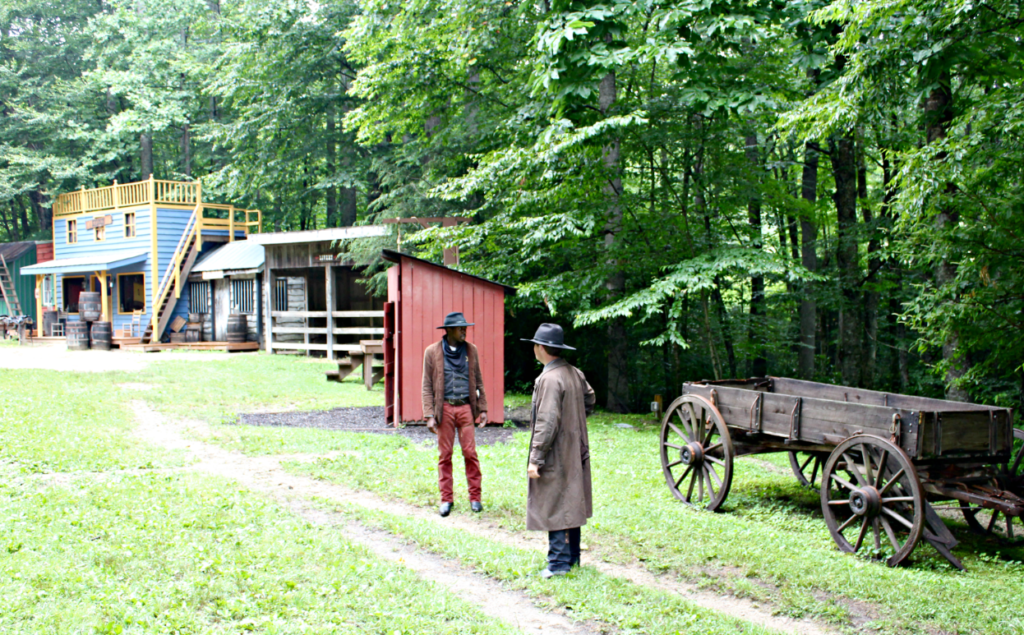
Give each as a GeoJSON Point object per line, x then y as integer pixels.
{"type": "Point", "coordinates": [395, 256]}
{"type": "Point", "coordinates": [318, 235]}
{"type": "Point", "coordinates": [12, 251]}
{"type": "Point", "coordinates": [240, 255]}
{"type": "Point", "coordinates": [88, 264]}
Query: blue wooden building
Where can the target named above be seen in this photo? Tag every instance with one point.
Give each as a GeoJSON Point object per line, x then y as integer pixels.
{"type": "Point", "coordinates": [135, 244]}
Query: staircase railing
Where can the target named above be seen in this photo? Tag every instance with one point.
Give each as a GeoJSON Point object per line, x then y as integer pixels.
{"type": "Point", "coordinates": [172, 274]}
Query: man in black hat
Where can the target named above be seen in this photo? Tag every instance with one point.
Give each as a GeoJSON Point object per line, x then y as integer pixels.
{"type": "Point", "coordinates": [453, 394]}
{"type": "Point", "coordinates": [559, 499]}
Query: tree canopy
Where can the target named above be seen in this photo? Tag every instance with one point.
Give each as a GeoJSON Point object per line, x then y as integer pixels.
{"type": "Point", "coordinates": [696, 189]}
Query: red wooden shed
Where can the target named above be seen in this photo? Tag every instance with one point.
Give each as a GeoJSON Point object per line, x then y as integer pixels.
{"type": "Point", "coordinates": [420, 294]}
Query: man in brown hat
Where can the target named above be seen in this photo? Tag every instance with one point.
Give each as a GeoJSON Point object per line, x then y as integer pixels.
{"type": "Point", "coordinates": [453, 394]}
{"type": "Point", "coordinates": [559, 499]}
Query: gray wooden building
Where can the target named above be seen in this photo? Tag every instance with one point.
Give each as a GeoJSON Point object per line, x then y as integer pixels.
{"type": "Point", "coordinates": [312, 300]}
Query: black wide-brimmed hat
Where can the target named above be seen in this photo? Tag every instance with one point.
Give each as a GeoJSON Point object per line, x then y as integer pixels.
{"type": "Point", "coordinates": [455, 319]}
{"type": "Point", "coordinates": [549, 335]}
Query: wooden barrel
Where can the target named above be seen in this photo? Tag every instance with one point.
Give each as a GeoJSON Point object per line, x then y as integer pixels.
{"type": "Point", "coordinates": [89, 308]}
{"type": "Point", "coordinates": [194, 333]}
{"type": "Point", "coordinates": [77, 335]}
{"type": "Point", "coordinates": [100, 335]}
{"type": "Point", "coordinates": [49, 319]}
{"type": "Point", "coordinates": [238, 328]}
{"type": "Point", "coordinates": [195, 318]}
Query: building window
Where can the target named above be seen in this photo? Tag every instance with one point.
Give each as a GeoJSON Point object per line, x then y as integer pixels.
{"type": "Point", "coordinates": [281, 294]}
{"type": "Point", "coordinates": [131, 292]}
{"type": "Point", "coordinates": [100, 233]}
{"type": "Point", "coordinates": [242, 295]}
{"type": "Point", "coordinates": [72, 287]}
{"type": "Point", "coordinates": [129, 225]}
{"type": "Point", "coordinates": [48, 290]}
{"type": "Point", "coordinates": [199, 297]}
{"type": "Point", "coordinates": [73, 234]}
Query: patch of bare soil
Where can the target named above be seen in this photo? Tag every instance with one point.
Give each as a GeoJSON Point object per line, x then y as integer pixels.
{"type": "Point", "coordinates": [369, 419]}
{"type": "Point", "coordinates": [265, 474]}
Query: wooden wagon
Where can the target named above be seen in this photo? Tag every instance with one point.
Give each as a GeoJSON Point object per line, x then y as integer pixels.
{"type": "Point", "coordinates": [880, 460]}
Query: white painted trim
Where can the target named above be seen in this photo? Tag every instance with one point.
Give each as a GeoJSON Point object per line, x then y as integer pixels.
{"type": "Point", "coordinates": [319, 235]}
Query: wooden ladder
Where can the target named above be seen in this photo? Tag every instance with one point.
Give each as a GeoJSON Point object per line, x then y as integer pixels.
{"type": "Point", "coordinates": [7, 290]}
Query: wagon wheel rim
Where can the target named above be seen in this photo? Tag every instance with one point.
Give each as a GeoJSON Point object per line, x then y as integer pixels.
{"type": "Point", "coordinates": [992, 522]}
{"type": "Point", "coordinates": [807, 467]}
{"type": "Point", "coordinates": [883, 507]}
{"type": "Point", "coordinates": [696, 452]}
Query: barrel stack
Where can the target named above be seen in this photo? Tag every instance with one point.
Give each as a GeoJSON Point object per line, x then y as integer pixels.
{"type": "Point", "coordinates": [89, 330]}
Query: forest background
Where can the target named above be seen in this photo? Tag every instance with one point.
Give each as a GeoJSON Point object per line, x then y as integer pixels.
{"type": "Point", "coordinates": [696, 189]}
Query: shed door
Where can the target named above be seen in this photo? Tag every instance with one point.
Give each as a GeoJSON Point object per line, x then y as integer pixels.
{"type": "Point", "coordinates": [221, 308]}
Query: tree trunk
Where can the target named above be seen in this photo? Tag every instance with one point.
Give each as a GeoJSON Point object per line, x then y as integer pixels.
{"type": "Point", "coordinates": [939, 113]}
{"type": "Point", "coordinates": [723, 322]}
{"type": "Point", "coordinates": [186, 150]}
{"type": "Point", "coordinates": [26, 226]}
{"type": "Point", "coordinates": [146, 154]}
{"type": "Point", "coordinates": [759, 364]}
{"type": "Point", "coordinates": [348, 206]}
{"type": "Point", "coordinates": [871, 297]}
{"type": "Point", "coordinates": [332, 191]}
{"type": "Point", "coordinates": [618, 345]}
{"type": "Point", "coordinates": [809, 257]}
{"type": "Point", "coordinates": [11, 234]}
{"type": "Point", "coordinates": [43, 212]}
{"type": "Point", "coordinates": [844, 171]}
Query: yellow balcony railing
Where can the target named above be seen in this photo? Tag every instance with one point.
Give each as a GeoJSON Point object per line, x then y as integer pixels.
{"type": "Point", "coordinates": [157, 191]}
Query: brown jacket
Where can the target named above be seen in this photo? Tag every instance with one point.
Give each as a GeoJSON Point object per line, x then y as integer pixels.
{"type": "Point", "coordinates": [433, 381]}
{"type": "Point", "coordinates": [561, 498]}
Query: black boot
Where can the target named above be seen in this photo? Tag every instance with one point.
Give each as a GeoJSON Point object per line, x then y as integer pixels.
{"type": "Point", "coordinates": [446, 508]}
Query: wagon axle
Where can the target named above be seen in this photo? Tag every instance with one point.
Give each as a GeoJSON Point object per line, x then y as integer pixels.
{"type": "Point", "coordinates": [866, 501]}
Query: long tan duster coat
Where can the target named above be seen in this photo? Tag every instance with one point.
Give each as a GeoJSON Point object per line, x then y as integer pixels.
{"type": "Point", "coordinates": [561, 498]}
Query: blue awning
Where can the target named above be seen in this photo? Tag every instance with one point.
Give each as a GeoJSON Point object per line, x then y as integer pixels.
{"type": "Point", "coordinates": [87, 264]}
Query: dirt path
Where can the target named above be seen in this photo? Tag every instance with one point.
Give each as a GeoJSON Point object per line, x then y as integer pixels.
{"type": "Point", "coordinates": [266, 474]}
{"type": "Point", "coordinates": [55, 356]}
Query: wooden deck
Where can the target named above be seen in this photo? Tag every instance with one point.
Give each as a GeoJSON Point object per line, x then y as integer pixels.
{"type": "Point", "coordinates": [231, 347]}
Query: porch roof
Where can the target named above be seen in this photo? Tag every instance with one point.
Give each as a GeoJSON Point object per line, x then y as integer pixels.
{"type": "Point", "coordinates": [240, 255]}
{"type": "Point", "coordinates": [88, 264]}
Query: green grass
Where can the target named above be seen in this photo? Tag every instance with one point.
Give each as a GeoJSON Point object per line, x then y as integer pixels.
{"type": "Point", "coordinates": [770, 543]}
{"type": "Point", "coordinates": [588, 594]}
{"type": "Point", "coordinates": [186, 554]}
{"type": "Point", "coordinates": [52, 421]}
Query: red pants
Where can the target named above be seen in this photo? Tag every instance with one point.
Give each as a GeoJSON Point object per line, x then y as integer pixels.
{"type": "Point", "coordinates": [460, 417]}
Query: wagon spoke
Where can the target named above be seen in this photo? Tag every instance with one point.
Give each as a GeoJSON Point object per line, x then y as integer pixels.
{"type": "Point", "coordinates": [992, 521]}
{"type": "Point", "coordinates": [714, 460]}
{"type": "Point", "coordinates": [673, 446]}
{"type": "Point", "coordinates": [712, 448]}
{"type": "Point", "coordinates": [855, 471]}
{"type": "Point", "coordinates": [889, 532]}
{"type": "Point", "coordinates": [674, 463]}
{"type": "Point", "coordinates": [693, 481]}
{"type": "Point", "coordinates": [686, 426]}
{"type": "Point", "coordinates": [712, 472]}
{"type": "Point", "coordinates": [860, 534]}
{"type": "Point", "coordinates": [892, 481]}
{"type": "Point", "coordinates": [839, 502]}
{"type": "Point", "coordinates": [895, 516]}
{"type": "Point", "coordinates": [1009, 527]}
{"type": "Point", "coordinates": [685, 472]}
{"type": "Point", "coordinates": [844, 483]}
{"type": "Point", "coordinates": [881, 468]}
{"type": "Point", "coordinates": [677, 431]}
{"type": "Point", "coordinates": [877, 532]}
{"type": "Point", "coordinates": [865, 452]}
{"type": "Point", "coordinates": [711, 489]}
{"type": "Point", "coordinates": [814, 471]}
{"type": "Point", "coordinates": [898, 499]}
{"type": "Point", "coordinates": [849, 521]}
{"type": "Point", "coordinates": [700, 485]}
{"type": "Point", "coordinates": [809, 459]}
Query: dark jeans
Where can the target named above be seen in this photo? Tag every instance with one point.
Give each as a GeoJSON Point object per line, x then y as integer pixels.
{"type": "Point", "coordinates": [563, 549]}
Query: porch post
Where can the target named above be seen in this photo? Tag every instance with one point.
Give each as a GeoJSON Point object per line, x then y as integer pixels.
{"type": "Point", "coordinates": [103, 296]}
{"type": "Point", "coordinates": [330, 310]}
{"type": "Point", "coordinates": [268, 307]}
{"type": "Point", "coordinates": [39, 306]}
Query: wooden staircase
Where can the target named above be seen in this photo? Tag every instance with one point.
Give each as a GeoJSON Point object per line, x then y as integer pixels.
{"type": "Point", "coordinates": [7, 290]}
{"type": "Point", "coordinates": [175, 275]}
{"type": "Point", "coordinates": [363, 357]}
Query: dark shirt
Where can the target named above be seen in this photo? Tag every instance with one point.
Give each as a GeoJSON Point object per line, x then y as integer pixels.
{"type": "Point", "coordinates": [456, 372]}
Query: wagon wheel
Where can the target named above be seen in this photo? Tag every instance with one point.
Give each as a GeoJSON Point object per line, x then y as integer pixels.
{"type": "Point", "coordinates": [696, 452]}
{"type": "Point", "coordinates": [884, 498]}
{"type": "Point", "coordinates": [807, 466]}
{"type": "Point", "coordinates": [991, 522]}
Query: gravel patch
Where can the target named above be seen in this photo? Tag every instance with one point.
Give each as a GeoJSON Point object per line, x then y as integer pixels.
{"type": "Point", "coordinates": [367, 420]}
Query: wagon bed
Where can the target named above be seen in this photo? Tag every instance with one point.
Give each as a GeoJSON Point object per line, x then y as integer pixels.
{"type": "Point", "coordinates": [883, 458]}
